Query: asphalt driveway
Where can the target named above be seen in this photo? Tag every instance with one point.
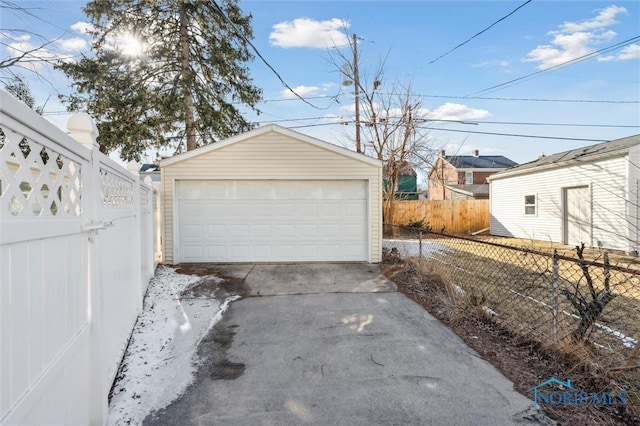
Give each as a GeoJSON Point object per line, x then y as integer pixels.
{"type": "Point", "coordinates": [335, 344]}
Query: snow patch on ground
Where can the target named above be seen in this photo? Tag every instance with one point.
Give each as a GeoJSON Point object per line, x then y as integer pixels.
{"type": "Point", "coordinates": [159, 363]}
{"type": "Point", "coordinates": [411, 248]}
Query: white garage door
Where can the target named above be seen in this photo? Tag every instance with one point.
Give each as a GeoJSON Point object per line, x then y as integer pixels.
{"type": "Point", "coordinates": [272, 221]}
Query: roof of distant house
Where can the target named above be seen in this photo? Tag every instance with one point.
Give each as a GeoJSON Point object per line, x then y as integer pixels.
{"type": "Point", "coordinates": [574, 155]}
{"type": "Point", "coordinates": [149, 168]}
{"type": "Point", "coordinates": [479, 162]}
{"type": "Point", "coordinates": [405, 169]}
{"type": "Point", "coordinates": [474, 190]}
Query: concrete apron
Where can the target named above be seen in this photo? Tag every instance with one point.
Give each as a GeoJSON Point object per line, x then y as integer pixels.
{"type": "Point", "coordinates": [334, 344]}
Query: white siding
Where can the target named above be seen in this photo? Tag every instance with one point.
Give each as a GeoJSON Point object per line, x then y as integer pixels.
{"type": "Point", "coordinates": [633, 203]}
{"type": "Point", "coordinates": [607, 180]}
{"type": "Point", "coordinates": [273, 156]}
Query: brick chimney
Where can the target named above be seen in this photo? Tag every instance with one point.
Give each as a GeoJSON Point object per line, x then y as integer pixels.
{"type": "Point", "coordinates": [476, 153]}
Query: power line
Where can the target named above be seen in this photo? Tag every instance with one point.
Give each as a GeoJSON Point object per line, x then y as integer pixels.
{"type": "Point", "coordinates": [596, 101]}
{"type": "Point", "coordinates": [518, 135]}
{"type": "Point", "coordinates": [474, 122]}
{"type": "Point", "coordinates": [518, 123]}
{"type": "Point", "coordinates": [255, 49]}
{"type": "Point", "coordinates": [585, 101]}
{"type": "Point", "coordinates": [481, 32]}
{"type": "Point", "coordinates": [563, 64]}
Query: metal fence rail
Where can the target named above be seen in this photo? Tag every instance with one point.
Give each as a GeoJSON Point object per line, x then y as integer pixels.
{"type": "Point", "coordinates": [591, 298]}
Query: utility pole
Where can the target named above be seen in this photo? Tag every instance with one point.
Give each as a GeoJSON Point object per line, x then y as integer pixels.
{"type": "Point", "coordinates": [356, 82]}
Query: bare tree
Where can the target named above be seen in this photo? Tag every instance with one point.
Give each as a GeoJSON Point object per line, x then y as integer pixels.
{"type": "Point", "coordinates": [24, 57]}
{"type": "Point", "coordinates": [590, 303]}
{"type": "Point", "coordinates": [391, 124]}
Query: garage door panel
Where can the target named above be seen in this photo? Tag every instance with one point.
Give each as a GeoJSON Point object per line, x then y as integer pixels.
{"type": "Point", "coordinates": [238, 231]}
{"type": "Point", "coordinates": [329, 230]}
{"type": "Point", "coordinates": [351, 230]}
{"type": "Point", "coordinates": [306, 209]}
{"type": "Point", "coordinates": [263, 231]}
{"type": "Point", "coordinates": [239, 251]}
{"type": "Point", "coordinates": [284, 209]}
{"type": "Point", "coordinates": [262, 251]}
{"type": "Point", "coordinates": [272, 221]}
{"type": "Point", "coordinates": [284, 251]}
{"type": "Point", "coordinates": [330, 209]}
{"type": "Point", "coordinates": [192, 231]}
{"type": "Point", "coordinates": [238, 209]}
{"type": "Point", "coordinates": [216, 252]}
{"type": "Point", "coordinates": [193, 209]}
{"type": "Point", "coordinates": [215, 231]}
{"type": "Point", "coordinates": [217, 192]}
{"type": "Point", "coordinates": [262, 209]}
{"type": "Point", "coordinates": [353, 209]}
{"type": "Point", "coordinates": [285, 231]}
{"type": "Point", "coordinates": [307, 231]}
{"type": "Point", "coordinates": [192, 252]}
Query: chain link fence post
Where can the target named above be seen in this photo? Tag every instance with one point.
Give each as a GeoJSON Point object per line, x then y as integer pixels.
{"type": "Point", "coordinates": [420, 241]}
{"type": "Point", "coordinates": [554, 295]}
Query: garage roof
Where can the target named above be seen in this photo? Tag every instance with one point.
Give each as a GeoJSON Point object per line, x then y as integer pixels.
{"type": "Point", "coordinates": [266, 129]}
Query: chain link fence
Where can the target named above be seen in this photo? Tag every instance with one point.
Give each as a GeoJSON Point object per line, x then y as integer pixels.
{"type": "Point", "coordinates": [585, 301]}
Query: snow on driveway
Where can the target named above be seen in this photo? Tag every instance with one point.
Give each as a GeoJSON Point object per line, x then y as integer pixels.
{"type": "Point", "coordinates": [411, 248]}
{"type": "Point", "coordinates": [160, 361]}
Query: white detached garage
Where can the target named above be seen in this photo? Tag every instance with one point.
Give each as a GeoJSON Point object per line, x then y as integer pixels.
{"type": "Point", "coordinates": [271, 195]}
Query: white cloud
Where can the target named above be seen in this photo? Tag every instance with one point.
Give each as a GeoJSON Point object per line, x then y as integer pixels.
{"type": "Point", "coordinates": [575, 39]}
{"type": "Point", "coordinates": [75, 44]}
{"type": "Point", "coordinates": [495, 63]}
{"type": "Point", "coordinates": [605, 18]}
{"type": "Point", "coordinates": [447, 111]}
{"type": "Point", "coordinates": [82, 27]}
{"type": "Point", "coordinates": [629, 52]}
{"type": "Point", "coordinates": [300, 90]}
{"type": "Point", "coordinates": [453, 111]}
{"type": "Point", "coordinates": [305, 32]}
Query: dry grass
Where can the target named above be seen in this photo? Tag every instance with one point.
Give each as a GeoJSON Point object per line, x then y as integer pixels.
{"type": "Point", "coordinates": [523, 359]}
{"type": "Point", "coordinates": [514, 290]}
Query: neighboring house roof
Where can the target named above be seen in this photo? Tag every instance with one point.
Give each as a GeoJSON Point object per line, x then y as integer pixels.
{"type": "Point", "coordinates": [476, 190]}
{"type": "Point", "coordinates": [588, 153]}
{"type": "Point", "coordinates": [149, 168]}
{"type": "Point", "coordinates": [479, 162]}
{"type": "Point", "coordinates": [405, 169]}
{"type": "Point", "coordinates": [266, 129]}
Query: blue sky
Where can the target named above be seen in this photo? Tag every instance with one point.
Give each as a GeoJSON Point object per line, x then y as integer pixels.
{"type": "Point", "coordinates": [294, 35]}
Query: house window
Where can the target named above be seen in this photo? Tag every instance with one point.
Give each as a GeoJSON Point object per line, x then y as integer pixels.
{"type": "Point", "coordinates": [446, 179]}
{"type": "Point", "coordinates": [530, 204]}
{"type": "Point", "coordinates": [468, 178]}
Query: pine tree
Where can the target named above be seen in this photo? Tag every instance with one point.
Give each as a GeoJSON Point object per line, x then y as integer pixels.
{"type": "Point", "coordinates": [18, 87]}
{"type": "Point", "coordinates": [182, 88]}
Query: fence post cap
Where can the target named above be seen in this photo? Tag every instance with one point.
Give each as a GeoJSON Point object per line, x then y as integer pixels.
{"type": "Point", "coordinates": [83, 129]}
{"type": "Point", "coordinates": [133, 167]}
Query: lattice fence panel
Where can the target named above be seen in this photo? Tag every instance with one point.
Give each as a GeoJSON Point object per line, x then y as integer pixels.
{"type": "Point", "coordinates": [36, 180]}
{"type": "Point", "coordinates": [117, 192]}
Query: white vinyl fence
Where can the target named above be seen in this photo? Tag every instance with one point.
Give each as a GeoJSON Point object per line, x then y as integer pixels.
{"type": "Point", "coordinates": [77, 250]}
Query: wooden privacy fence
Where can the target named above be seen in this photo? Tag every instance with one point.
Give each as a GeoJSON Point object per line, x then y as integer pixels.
{"type": "Point", "coordinates": [452, 216]}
